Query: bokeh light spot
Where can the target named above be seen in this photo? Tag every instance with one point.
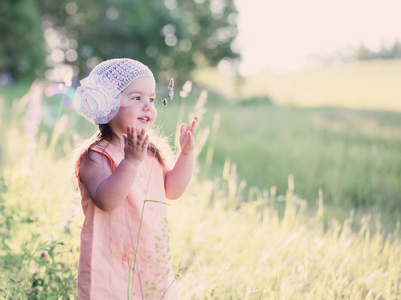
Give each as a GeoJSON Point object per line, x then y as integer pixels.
{"type": "Point", "coordinates": [57, 55]}
{"type": "Point", "coordinates": [151, 51]}
{"type": "Point", "coordinates": [71, 8]}
{"type": "Point", "coordinates": [170, 4]}
{"type": "Point", "coordinates": [71, 55]}
{"type": "Point", "coordinates": [170, 40]}
{"type": "Point", "coordinates": [112, 13]}
{"type": "Point", "coordinates": [168, 29]}
{"type": "Point", "coordinates": [185, 45]}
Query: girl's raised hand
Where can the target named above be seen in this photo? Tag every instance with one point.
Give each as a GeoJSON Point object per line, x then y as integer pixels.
{"type": "Point", "coordinates": [135, 147]}
{"type": "Point", "coordinates": [187, 136]}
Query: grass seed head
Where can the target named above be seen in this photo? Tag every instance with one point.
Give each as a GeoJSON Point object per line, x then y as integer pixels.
{"type": "Point", "coordinates": [171, 89]}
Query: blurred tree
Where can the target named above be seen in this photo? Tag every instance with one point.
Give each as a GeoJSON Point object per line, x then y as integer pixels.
{"type": "Point", "coordinates": [363, 53]}
{"type": "Point", "coordinates": [22, 52]}
{"type": "Point", "coordinates": [394, 52]}
{"type": "Point", "coordinates": [172, 36]}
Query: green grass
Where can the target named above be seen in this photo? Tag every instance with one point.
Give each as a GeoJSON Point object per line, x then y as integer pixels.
{"type": "Point", "coordinates": [39, 214]}
{"type": "Point", "coordinates": [352, 155]}
{"type": "Point", "coordinates": [269, 238]}
{"type": "Point", "coordinates": [227, 252]}
{"type": "Point", "coordinates": [358, 85]}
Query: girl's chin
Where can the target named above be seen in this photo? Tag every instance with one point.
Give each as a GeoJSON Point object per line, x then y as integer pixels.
{"type": "Point", "coordinates": [139, 126]}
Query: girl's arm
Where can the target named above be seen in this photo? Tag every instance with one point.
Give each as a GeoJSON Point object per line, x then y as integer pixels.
{"type": "Point", "coordinates": [177, 179]}
{"type": "Point", "coordinates": [106, 189]}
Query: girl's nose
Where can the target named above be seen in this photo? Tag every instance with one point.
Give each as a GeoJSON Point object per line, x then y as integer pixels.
{"type": "Point", "coordinates": [147, 106]}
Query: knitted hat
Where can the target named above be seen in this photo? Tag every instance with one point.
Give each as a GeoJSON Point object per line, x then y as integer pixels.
{"type": "Point", "coordinates": [98, 97]}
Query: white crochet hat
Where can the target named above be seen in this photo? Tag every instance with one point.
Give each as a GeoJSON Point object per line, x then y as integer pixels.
{"type": "Point", "coordinates": [98, 97]}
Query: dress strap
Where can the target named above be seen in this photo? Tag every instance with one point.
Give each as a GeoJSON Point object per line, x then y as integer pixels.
{"type": "Point", "coordinates": [109, 151]}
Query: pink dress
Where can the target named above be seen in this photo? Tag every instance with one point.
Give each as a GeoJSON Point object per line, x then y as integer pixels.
{"type": "Point", "coordinates": [109, 239]}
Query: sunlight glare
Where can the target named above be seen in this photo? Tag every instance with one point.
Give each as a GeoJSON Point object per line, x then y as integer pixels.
{"type": "Point", "coordinates": [283, 35]}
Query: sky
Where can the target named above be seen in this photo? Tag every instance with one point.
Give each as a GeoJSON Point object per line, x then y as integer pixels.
{"type": "Point", "coordinates": [283, 35]}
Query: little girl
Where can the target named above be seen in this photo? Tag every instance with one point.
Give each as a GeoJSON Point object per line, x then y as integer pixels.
{"type": "Point", "coordinates": [124, 251]}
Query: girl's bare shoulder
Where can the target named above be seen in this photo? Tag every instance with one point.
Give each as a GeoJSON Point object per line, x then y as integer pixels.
{"type": "Point", "coordinates": [94, 164]}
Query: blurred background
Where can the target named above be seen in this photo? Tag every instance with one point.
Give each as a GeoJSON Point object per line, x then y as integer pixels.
{"type": "Point", "coordinates": [312, 88]}
{"type": "Point", "coordinates": [54, 39]}
{"type": "Point", "coordinates": [299, 141]}
{"type": "Point", "coordinates": [50, 39]}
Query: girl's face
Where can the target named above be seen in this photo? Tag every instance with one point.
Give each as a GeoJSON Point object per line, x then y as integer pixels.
{"type": "Point", "coordinates": [137, 107]}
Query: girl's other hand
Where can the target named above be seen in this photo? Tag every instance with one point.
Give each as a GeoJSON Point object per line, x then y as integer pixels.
{"type": "Point", "coordinates": [135, 147]}
{"type": "Point", "coordinates": [187, 136]}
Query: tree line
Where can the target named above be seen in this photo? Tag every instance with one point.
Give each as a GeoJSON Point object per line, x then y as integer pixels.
{"type": "Point", "coordinates": [391, 52]}
{"type": "Point", "coordinates": [172, 36]}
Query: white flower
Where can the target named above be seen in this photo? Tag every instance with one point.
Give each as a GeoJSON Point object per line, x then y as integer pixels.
{"type": "Point", "coordinates": [95, 102]}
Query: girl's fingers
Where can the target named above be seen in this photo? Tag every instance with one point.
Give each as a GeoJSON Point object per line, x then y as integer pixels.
{"type": "Point", "coordinates": [139, 139]}
{"type": "Point", "coordinates": [192, 124]}
{"type": "Point", "coordinates": [129, 133]}
{"type": "Point", "coordinates": [145, 142]}
{"type": "Point", "coordinates": [190, 137]}
{"type": "Point", "coordinates": [133, 133]}
{"type": "Point", "coordinates": [193, 128]}
{"type": "Point", "coordinates": [183, 128]}
{"type": "Point", "coordinates": [142, 139]}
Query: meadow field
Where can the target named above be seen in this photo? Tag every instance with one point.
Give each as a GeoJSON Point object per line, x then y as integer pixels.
{"type": "Point", "coordinates": [368, 84]}
{"type": "Point", "coordinates": [287, 201]}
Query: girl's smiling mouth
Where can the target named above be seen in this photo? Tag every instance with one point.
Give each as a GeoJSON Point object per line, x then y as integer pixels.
{"type": "Point", "coordinates": [144, 119]}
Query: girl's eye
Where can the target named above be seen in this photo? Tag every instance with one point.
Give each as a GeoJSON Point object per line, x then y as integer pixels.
{"type": "Point", "coordinates": [152, 99]}
{"type": "Point", "coordinates": [137, 98]}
